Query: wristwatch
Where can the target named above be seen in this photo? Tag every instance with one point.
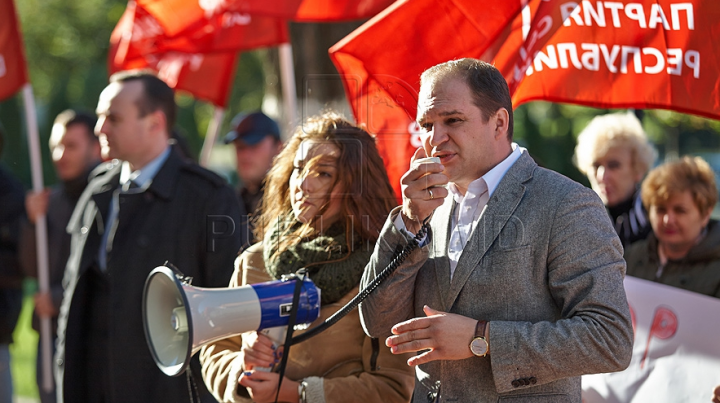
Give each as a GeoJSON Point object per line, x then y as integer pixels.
{"type": "Point", "coordinates": [478, 345]}
{"type": "Point", "coordinates": [302, 392]}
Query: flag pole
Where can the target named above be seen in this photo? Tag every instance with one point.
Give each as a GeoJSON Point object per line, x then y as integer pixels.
{"type": "Point", "coordinates": [211, 135]}
{"type": "Point", "coordinates": [287, 73]}
{"type": "Point", "coordinates": [40, 234]}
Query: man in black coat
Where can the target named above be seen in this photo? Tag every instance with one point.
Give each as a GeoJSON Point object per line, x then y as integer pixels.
{"type": "Point", "coordinates": [144, 207]}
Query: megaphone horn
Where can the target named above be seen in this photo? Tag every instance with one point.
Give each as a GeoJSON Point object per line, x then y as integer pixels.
{"type": "Point", "coordinates": [180, 319]}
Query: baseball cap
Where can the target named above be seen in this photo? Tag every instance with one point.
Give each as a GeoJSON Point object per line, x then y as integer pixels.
{"type": "Point", "coordinates": [252, 128]}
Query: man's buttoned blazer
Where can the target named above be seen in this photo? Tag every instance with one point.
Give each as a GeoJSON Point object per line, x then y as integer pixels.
{"type": "Point", "coordinates": [543, 265]}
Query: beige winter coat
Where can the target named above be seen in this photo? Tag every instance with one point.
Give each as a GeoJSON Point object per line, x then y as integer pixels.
{"type": "Point", "coordinates": [338, 364]}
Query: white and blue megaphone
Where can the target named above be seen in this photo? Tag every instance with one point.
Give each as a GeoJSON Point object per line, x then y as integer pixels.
{"type": "Point", "coordinates": [179, 318]}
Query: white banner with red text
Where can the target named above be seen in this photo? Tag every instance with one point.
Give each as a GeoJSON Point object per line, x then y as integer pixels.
{"type": "Point", "coordinates": [676, 356]}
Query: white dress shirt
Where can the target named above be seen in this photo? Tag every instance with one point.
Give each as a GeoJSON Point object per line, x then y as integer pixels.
{"type": "Point", "coordinates": [470, 207]}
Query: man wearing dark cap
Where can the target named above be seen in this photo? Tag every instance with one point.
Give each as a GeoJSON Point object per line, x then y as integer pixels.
{"type": "Point", "coordinates": [257, 140]}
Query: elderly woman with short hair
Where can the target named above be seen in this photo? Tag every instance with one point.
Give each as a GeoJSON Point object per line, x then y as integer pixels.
{"type": "Point", "coordinates": [615, 154]}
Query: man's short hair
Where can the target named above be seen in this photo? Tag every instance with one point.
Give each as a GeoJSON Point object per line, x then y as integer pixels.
{"type": "Point", "coordinates": [615, 130]}
{"type": "Point", "coordinates": [71, 117]}
{"type": "Point", "coordinates": [488, 86]}
{"type": "Point", "coordinates": [157, 95]}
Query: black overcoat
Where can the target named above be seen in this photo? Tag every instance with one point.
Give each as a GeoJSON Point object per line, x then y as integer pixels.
{"type": "Point", "coordinates": [180, 218]}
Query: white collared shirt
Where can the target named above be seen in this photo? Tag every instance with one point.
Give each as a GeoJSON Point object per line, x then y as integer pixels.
{"type": "Point", "coordinates": [466, 213]}
{"type": "Point", "coordinates": [470, 207]}
{"type": "Point", "coordinates": [143, 177]}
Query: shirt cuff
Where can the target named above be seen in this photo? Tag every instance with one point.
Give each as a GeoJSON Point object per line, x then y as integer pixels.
{"type": "Point", "coordinates": [315, 391]}
{"type": "Point", "coordinates": [400, 226]}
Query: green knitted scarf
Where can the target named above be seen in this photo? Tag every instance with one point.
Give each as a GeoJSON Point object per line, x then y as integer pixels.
{"type": "Point", "coordinates": [331, 265]}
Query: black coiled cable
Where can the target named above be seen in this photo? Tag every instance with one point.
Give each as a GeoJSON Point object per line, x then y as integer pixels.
{"type": "Point", "coordinates": [364, 293]}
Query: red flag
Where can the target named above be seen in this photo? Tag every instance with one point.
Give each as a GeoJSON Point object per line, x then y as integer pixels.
{"type": "Point", "coordinates": [229, 31]}
{"type": "Point", "coordinates": [178, 15]}
{"type": "Point", "coordinates": [381, 62]}
{"type": "Point", "coordinates": [202, 60]}
{"type": "Point", "coordinates": [206, 76]}
{"type": "Point", "coordinates": [648, 54]}
{"type": "Point", "coordinates": [641, 54]}
{"type": "Point", "coordinates": [13, 71]}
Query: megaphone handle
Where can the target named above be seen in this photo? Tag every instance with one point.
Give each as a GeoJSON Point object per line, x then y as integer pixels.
{"type": "Point", "coordinates": [277, 336]}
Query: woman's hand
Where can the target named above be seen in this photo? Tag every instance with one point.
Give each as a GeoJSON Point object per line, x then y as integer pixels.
{"type": "Point", "coordinates": [258, 351]}
{"type": "Point", "coordinates": [262, 387]}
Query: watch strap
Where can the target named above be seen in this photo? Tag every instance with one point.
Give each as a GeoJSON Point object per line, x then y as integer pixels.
{"type": "Point", "coordinates": [480, 328]}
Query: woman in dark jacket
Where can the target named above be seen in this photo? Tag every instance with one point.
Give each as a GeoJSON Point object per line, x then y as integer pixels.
{"type": "Point", "coordinates": [684, 248]}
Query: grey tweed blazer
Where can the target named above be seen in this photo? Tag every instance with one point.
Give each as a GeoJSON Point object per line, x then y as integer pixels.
{"type": "Point", "coordinates": [544, 266]}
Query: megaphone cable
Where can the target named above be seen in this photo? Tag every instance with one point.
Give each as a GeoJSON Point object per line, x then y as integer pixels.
{"type": "Point", "coordinates": [353, 303]}
{"type": "Point", "coordinates": [300, 276]}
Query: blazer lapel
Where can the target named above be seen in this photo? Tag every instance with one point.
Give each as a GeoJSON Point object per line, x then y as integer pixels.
{"type": "Point", "coordinates": [500, 207]}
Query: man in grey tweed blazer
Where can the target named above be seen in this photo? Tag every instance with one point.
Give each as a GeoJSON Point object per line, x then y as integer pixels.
{"type": "Point", "coordinates": [517, 289]}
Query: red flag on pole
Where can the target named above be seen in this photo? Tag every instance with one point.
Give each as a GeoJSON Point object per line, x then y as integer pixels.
{"type": "Point", "coordinates": [13, 77]}
{"type": "Point", "coordinates": [178, 15]}
{"type": "Point", "coordinates": [641, 54]}
{"type": "Point", "coordinates": [201, 61]}
{"type": "Point", "coordinates": [13, 70]}
{"type": "Point", "coordinates": [380, 64]}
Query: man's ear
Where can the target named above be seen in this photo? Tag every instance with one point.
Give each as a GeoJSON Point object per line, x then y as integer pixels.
{"type": "Point", "coordinates": [502, 122]}
{"type": "Point", "coordinates": [158, 122]}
